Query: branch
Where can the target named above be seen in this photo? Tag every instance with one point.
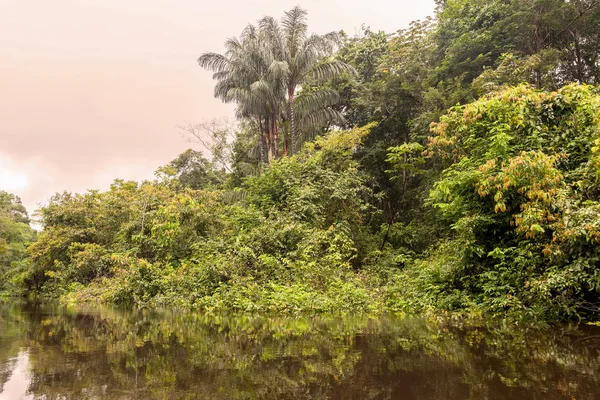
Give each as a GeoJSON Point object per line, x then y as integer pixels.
{"type": "Point", "coordinates": [215, 136]}
{"type": "Point", "coordinates": [566, 28]}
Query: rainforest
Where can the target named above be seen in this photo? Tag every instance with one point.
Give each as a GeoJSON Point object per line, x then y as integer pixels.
{"type": "Point", "coordinates": [449, 168]}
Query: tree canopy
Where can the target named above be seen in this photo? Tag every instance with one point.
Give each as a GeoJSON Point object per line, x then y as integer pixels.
{"type": "Point", "coordinates": [15, 236]}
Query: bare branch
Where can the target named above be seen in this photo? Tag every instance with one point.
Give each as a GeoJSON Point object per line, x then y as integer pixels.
{"type": "Point", "coordinates": [215, 136]}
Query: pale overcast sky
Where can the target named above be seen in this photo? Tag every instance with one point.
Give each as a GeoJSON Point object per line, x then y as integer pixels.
{"type": "Point", "coordinates": [92, 90]}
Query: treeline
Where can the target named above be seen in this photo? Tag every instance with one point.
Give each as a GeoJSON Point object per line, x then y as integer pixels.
{"type": "Point", "coordinates": [450, 166]}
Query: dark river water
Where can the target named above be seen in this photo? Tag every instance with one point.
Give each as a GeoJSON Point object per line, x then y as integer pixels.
{"type": "Point", "coordinates": [49, 352]}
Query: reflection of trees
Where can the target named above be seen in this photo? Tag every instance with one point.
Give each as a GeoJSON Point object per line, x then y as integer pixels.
{"type": "Point", "coordinates": [11, 341]}
{"type": "Point", "coordinates": [6, 367]}
{"type": "Point", "coordinates": [149, 354]}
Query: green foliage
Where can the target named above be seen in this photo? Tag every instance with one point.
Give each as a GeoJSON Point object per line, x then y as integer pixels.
{"type": "Point", "coordinates": [469, 49]}
{"type": "Point", "coordinates": [15, 236]}
{"type": "Point", "coordinates": [406, 158]}
{"type": "Point", "coordinates": [540, 69]}
{"type": "Point", "coordinates": [193, 170]}
{"type": "Point", "coordinates": [523, 167]}
{"type": "Point", "coordinates": [293, 242]}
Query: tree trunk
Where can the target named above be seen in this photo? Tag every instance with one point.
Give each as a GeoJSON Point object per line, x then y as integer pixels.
{"type": "Point", "coordinates": [292, 122]}
{"type": "Point", "coordinates": [275, 138]}
{"type": "Point", "coordinates": [269, 140]}
{"type": "Point", "coordinates": [405, 157]}
{"type": "Point", "coordinates": [261, 141]}
{"type": "Point", "coordinates": [285, 142]}
{"type": "Point", "coordinates": [578, 58]}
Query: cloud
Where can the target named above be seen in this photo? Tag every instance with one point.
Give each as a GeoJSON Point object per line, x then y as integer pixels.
{"type": "Point", "coordinates": [84, 102]}
{"type": "Point", "coordinates": [12, 178]}
{"type": "Point", "coordinates": [31, 178]}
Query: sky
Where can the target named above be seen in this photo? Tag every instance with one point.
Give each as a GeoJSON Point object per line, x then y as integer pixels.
{"type": "Point", "coordinates": [93, 90]}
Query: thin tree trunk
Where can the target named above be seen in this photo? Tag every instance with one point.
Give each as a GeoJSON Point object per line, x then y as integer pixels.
{"type": "Point", "coordinates": [275, 138]}
{"type": "Point", "coordinates": [292, 122]}
{"type": "Point", "coordinates": [405, 157]}
{"type": "Point", "coordinates": [579, 59]}
{"type": "Point", "coordinates": [270, 140]}
{"type": "Point", "coordinates": [261, 141]}
{"type": "Point", "coordinates": [269, 144]}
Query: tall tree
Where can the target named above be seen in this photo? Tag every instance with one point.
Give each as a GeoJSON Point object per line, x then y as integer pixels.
{"type": "Point", "coordinates": [243, 77]}
{"type": "Point", "coordinates": [263, 72]}
{"type": "Point", "coordinates": [301, 57]}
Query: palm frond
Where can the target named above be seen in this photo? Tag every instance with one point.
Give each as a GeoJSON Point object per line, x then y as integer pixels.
{"type": "Point", "coordinates": [279, 69]}
{"type": "Point", "coordinates": [213, 61]}
{"type": "Point", "coordinates": [321, 118]}
{"type": "Point", "coordinates": [307, 103]}
{"type": "Point", "coordinates": [329, 69]}
{"type": "Point", "coordinates": [295, 28]}
{"type": "Point", "coordinates": [239, 195]}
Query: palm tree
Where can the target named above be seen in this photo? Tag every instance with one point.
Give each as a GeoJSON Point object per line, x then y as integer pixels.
{"type": "Point", "coordinates": [243, 77]}
{"type": "Point", "coordinates": [303, 56]}
{"type": "Point", "coordinates": [262, 73]}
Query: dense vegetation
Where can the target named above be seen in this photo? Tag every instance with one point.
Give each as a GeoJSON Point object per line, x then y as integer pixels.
{"type": "Point", "coordinates": [15, 236]}
{"type": "Point", "coordinates": [451, 166]}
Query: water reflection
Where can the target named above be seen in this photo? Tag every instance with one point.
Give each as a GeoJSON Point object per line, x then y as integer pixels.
{"type": "Point", "coordinates": [15, 378]}
{"type": "Point", "coordinates": [61, 353]}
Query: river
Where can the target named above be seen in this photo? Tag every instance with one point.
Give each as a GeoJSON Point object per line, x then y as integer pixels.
{"type": "Point", "coordinates": [56, 352]}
